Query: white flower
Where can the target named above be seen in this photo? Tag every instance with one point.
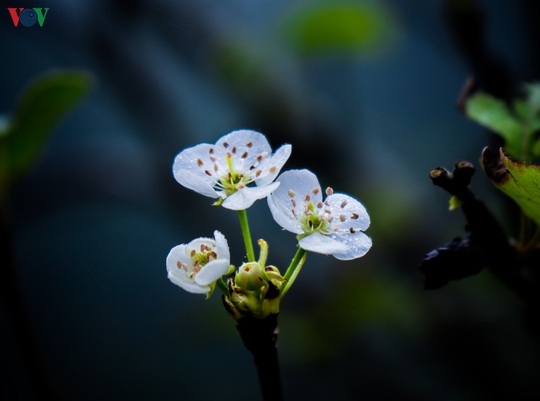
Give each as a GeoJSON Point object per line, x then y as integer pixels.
{"type": "Point", "coordinates": [196, 266]}
{"type": "Point", "coordinates": [333, 226]}
{"type": "Point", "coordinates": [225, 170]}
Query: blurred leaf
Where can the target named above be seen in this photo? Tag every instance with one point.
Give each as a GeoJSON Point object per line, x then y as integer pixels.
{"type": "Point", "coordinates": [520, 181]}
{"type": "Point", "coordinates": [454, 203]}
{"type": "Point", "coordinates": [340, 26]}
{"type": "Point", "coordinates": [41, 106]}
{"type": "Point", "coordinates": [493, 114]}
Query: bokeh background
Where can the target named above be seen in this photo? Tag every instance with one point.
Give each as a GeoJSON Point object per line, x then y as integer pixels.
{"type": "Point", "coordinates": [365, 91]}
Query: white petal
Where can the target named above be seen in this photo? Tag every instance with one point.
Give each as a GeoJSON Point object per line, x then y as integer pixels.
{"type": "Point", "coordinates": [358, 244]}
{"type": "Point", "coordinates": [349, 212]}
{"type": "Point", "coordinates": [245, 197]}
{"type": "Point", "coordinates": [176, 254]}
{"type": "Point", "coordinates": [189, 286]}
{"type": "Point", "coordinates": [319, 243]}
{"type": "Point", "coordinates": [252, 143]}
{"type": "Point", "coordinates": [291, 194]}
{"type": "Point", "coordinates": [222, 247]}
{"type": "Point", "coordinates": [191, 168]}
{"type": "Point", "coordinates": [275, 163]}
{"type": "Point", "coordinates": [212, 271]}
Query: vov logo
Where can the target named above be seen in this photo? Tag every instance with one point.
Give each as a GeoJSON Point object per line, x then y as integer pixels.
{"type": "Point", "coordinates": [28, 17]}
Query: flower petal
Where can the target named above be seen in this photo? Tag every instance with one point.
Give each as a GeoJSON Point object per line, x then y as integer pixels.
{"type": "Point", "coordinates": [295, 186]}
{"type": "Point", "coordinates": [222, 246]}
{"type": "Point", "coordinates": [349, 213]}
{"type": "Point", "coordinates": [271, 167]}
{"type": "Point", "coordinates": [245, 197]}
{"type": "Point", "coordinates": [358, 244]}
{"type": "Point", "coordinates": [188, 285]}
{"type": "Point", "coordinates": [245, 146]}
{"type": "Point", "coordinates": [194, 169]}
{"type": "Point", "coordinates": [212, 271]}
{"type": "Point", "coordinates": [319, 243]}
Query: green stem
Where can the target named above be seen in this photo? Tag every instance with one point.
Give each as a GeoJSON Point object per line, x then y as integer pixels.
{"type": "Point", "coordinates": [293, 270]}
{"type": "Point", "coordinates": [223, 287]}
{"type": "Point", "coordinates": [242, 216]}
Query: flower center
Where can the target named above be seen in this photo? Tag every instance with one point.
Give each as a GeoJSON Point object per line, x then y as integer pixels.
{"type": "Point", "coordinates": [199, 259]}
{"type": "Point", "coordinates": [316, 219]}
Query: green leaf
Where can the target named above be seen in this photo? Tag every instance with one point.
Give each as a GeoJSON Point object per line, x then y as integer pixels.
{"type": "Point", "coordinates": [493, 114]}
{"type": "Point", "coordinates": [39, 109]}
{"type": "Point", "coordinates": [520, 181]}
{"type": "Point", "coordinates": [338, 26]}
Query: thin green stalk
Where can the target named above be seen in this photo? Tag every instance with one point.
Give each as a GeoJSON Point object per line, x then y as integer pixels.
{"type": "Point", "coordinates": [293, 270]}
{"type": "Point", "coordinates": [223, 287]}
{"type": "Point", "coordinates": [242, 216]}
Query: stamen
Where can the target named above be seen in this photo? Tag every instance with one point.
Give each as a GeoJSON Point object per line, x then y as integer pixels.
{"type": "Point", "coordinates": [225, 144]}
{"type": "Point", "coordinates": [216, 168]}
{"type": "Point", "coordinates": [319, 205]}
{"type": "Point", "coordinates": [354, 216]}
{"type": "Point", "coordinates": [258, 173]}
{"type": "Point", "coordinates": [234, 149]}
{"type": "Point", "coordinates": [315, 191]}
{"type": "Point", "coordinates": [249, 144]}
{"type": "Point", "coordinates": [291, 193]}
{"type": "Point", "coordinates": [329, 191]}
{"type": "Point", "coordinates": [208, 173]}
{"type": "Point", "coordinates": [211, 151]}
{"type": "Point", "coordinates": [342, 218]}
{"type": "Point", "coordinates": [307, 198]}
{"type": "Point", "coordinates": [193, 253]}
{"type": "Point", "coordinates": [199, 162]}
{"type": "Point", "coordinates": [293, 202]}
{"type": "Point", "coordinates": [244, 155]}
{"type": "Point", "coordinates": [273, 169]}
{"type": "Point", "coordinates": [352, 230]}
{"type": "Point", "coordinates": [343, 204]}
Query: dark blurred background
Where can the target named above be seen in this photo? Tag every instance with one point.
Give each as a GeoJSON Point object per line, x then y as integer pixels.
{"type": "Point", "coordinates": [366, 93]}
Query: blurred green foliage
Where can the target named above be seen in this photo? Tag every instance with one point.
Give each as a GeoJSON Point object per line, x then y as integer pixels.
{"type": "Point", "coordinates": [338, 26]}
{"type": "Point", "coordinates": [517, 126]}
{"type": "Point", "coordinates": [40, 107]}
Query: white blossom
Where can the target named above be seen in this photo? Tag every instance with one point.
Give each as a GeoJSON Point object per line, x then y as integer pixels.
{"type": "Point", "coordinates": [196, 266]}
{"type": "Point", "coordinates": [225, 170]}
{"type": "Point", "coordinates": [332, 226]}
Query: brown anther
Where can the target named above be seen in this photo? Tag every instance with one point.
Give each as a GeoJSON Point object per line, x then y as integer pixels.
{"type": "Point", "coordinates": [343, 204]}
{"type": "Point", "coordinates": [258, 173]}
{"type": "Point", "coordinates": [199, 162]}
{"type": "Point", "coordinates": [293, 202]}
{"type": "Point", "coordinates": [354, 216]}
{"type": "Point", "coordinates": [291, 193]}
{"type": "Point", "coordinates": [225, 144]}
{"type": "Point", "coordinates": [273, 169]}
{"type": "Point", "coordinates": [213, 159]}
{"type": "Point", "coordinates": [352, 230]}
{"type": "Point", "coordinates": [216, 168]}
{"type": "Point", "coordinates": [244, 155]}
{"type": "Point", "coordinates": [208, 173]}
{"type": "Point", "coordinates": [342, 218]}
{"type": "Point", "coordinates": [251, 167]}
{"type": "Point", "coordinates": [259, 158]}
{"type": "Point", "coordinates": [229, 155]}
{"type": "Point", "coordinates": [316, 190]}
{"type": "Point", "coordinates": [234, 149]}
{"type": "Point", "coordinates": [249, 144]}
{"type": "Point", "coordinates": [307, 198]}
{"type": "Point", "coordinates": [319, 205]}
{"type": "Point", "coordinates": [193, 253]}
{"type": "Point", "coordinates": [211, 151]}
{"type": "Point", "coordinates": [329, 191]}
